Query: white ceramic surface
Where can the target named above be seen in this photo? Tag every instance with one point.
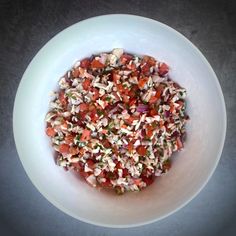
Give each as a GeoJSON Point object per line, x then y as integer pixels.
{"type": "Point", "coordinates": [192, 167]}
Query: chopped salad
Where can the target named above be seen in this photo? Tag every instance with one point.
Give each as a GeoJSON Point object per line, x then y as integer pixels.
{"type": "Point", "coordinates": [116, 119]}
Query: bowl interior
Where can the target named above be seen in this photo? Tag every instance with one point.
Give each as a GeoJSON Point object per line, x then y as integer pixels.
{"type": "Point", "coordinates": [191, 168]}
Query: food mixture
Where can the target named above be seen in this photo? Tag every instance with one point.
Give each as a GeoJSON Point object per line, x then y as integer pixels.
{"type": "Point", "coordinates": [117, 119]}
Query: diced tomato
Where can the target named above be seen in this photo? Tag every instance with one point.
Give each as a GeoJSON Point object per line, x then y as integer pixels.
{"type": "Point", "coordinates": [76, 72]}
{"type": "Point", "coordinates": [50, 132]}
{"type": "Point", "coordinates": [180, 103]}
{"type": "Point", "coordinates": [131, 66]}
{"type": "Point", "coordinates": [92, 107]}
{"type": "Point", "coordinates": [82, 115]}
{"type": "Point", "coordinates": [96, 94]}
{"type": "Point", "coordinates": [132, 101]}
{"type": "Point", "coordinates": [141, 150]}
{"type": "Point", "coordinates": [149, 131]}
{"type": "Point", "coordinates": [120, 88]}
{"type": "Point", "coordinates": [102, 174]}
{"type": "Point", "coordinates": [104, 131]}
{"type": "Point", "coordinates": [85, 63]}
{"type": "Point", "coordinates": [137, 181]}
{"type": "Point", "coordinates": [172, 107]}
{"type": "Point", "coordinates": [158, 94]}
{"type": "Point", "coordinates": [145, 69]}
{"type": "Point", "coordinates": [106, 143]}
{"type": "Point", "coordinates": [153, 99]}
{"type": "Point", "coordinates": [62, 98]}
{"type": "Point", "coordinates": [125, 99]}
{"type": "Point", "coordinates": [142, 82]}
{"type": "Point", "coordinates": [130, 146]}
{"type": "Point", "coordinates": [153, 112]}
{"type": "Point", "coordinates": [85, 174]}
{"type": "Point", "coordinates": [163, 69]}
{"type": "Point", "coordinates": [125, 172]}
{"type": "Point", "coordinates": [149, 60]}
{"type": "Point", "coordinates": [94, 116]}
{"type": "Point", "coordinates": [106, 184]}
{"type": "Point", "coordinates": [90, 163]}
{"type": "Point", "coordinates": [161, 123]}
{"type": "Point", "coordinates": [146, 172]}
{"type": "Point", "coordinates": [64, 125]}
{"type": "Point", "coordinates": [115, 78]}
{"type": "Point", "coordinates": [74, 150]}
{"type": "Point", "coordinates": [148, 180]}
{"type": "Point", "coordinates": [64, 148]}
{"type": "Point", "coordinates": [86, 84]}
{"type": "Point", "coordinates": [69, 139]}
{"type": "Point", "coordinates": [179, 143]}
{"type": "Point", "coordinates": [118, 165]}
{"type": "Point", "coordinates": [85, 135]}
{"type": "Point", "coordinates": [115, 150]}
{"type": "Point", "coordinates": [77, 165]}
{"type": "Point", "coordinates": [84, 107]}
{"type": "Point", "coordinates": [95, 64]}
{"type": "Point", "coordinates": [125, 58]}
{"type": "Point", "coordinates": [131, 119]}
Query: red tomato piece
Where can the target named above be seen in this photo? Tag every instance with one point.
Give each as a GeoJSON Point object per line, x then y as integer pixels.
{"type": "Point", "coordinates": [145, 69]}
{"type": "Point", "coordinates": [76, 73]}
{"type": "Point", "coordinates": [179, 143]}
{"type": "Point", "coordinates": [50, 132]}
{"type": "Point", "coordinates": [64, 148]}
{"type": "Point", "coordinates": [142, 82]}
{"type": "Point", "coordinates": [106, 143]}
{"type": "Point", "coordinates": [69, 139]}
{"type": "Point", "coordinates": [106, 184]}
{"type": "Point", "coordinates": [85, 63]}
{"type": "Point", "coordinates": [148, 180]}
{"type": "Point", "coordinates": [84, 107]}
{"type": "Point", "coordinates": [85, 135]}
{"type": "Point", "coordinates": [86, 84]}
{"type": "Point", "coordinates": [163, 69]}
{"type": "Point", "coordinates": [90, 163]}
{"type": "Point", "coordinates": [62, 98]}
{"type": "Point", "coordinates": [125, 172]}
{"type": "Point", "coordinates": [153, 99]}
{"type": "Point", "coordinates": [74, 151]}
{"type": "Point", "coordinates": [141, 150]}
{"type": "Point", "coordinates": [96, 94]}
{"type": "Point", "coordinates": [125, 59]}
{"type": "Point", "coordinates": [95, 64]}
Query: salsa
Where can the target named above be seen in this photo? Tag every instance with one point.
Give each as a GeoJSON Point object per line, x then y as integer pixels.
{"type": "Point", "coordinates": [117, 119]}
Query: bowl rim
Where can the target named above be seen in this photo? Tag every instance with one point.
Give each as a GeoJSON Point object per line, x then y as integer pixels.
{"type": "Point", "coordinates": [220, 148]}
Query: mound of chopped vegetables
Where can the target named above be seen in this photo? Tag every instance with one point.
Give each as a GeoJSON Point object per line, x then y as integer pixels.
{"type": "Point", "coordinates": [117, 119]}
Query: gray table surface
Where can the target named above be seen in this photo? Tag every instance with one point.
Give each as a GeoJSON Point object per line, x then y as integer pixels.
{"type": "Point", "coordinates": [25, 26]}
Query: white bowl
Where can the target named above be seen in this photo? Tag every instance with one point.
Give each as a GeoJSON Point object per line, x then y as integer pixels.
{"type": "Point", "coordinates": [192, 167]}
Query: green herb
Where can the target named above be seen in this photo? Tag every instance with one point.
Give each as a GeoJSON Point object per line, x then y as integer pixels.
{"type": "Point", "coordinates": [108, 99]}
{"type": "Point", "coordinates": [111, 175]}
{"type": "Point", "coordinates": [118, 190]}
{"type": "Point", "coordinates": [127, 106]}
{"type": "Point", "coordinates": [154, 125]}
{"type": "Point", "coordinates": [148, 153]}
{"type": "Point", "coordinates": [81, 144]}
{"type": "Point", "coordinates": [69, 94]}
{"type": "Point", "coordinates": [100, 112]}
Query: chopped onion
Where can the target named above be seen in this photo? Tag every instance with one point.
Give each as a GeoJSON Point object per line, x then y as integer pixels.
{"type": "Point", "coordinates": [142, 108]}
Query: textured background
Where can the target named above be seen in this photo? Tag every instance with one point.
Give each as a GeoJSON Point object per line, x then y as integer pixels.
{"type": "Point", "coordinates": [25, 26]}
